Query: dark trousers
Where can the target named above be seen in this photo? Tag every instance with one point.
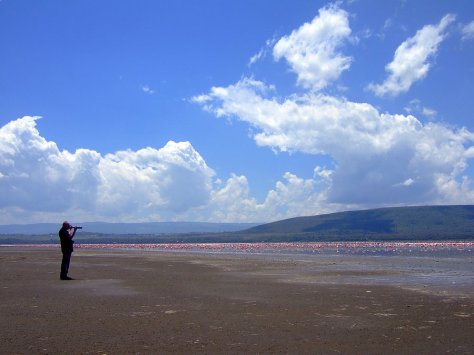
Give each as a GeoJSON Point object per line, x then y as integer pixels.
{"type": "Point", "coordinates": [65, 263]}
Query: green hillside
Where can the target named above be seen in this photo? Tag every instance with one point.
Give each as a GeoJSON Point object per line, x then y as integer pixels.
{"type": "Point", "coordinates": [384, 224]}
{"type": "Point", "coordinates": [426, 222]}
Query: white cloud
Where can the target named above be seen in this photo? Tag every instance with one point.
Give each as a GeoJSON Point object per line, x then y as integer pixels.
{"type": "Point", "coordinates": [407, 182]}
{"type": "Point", "coordinates": [387, 24]}
{"type": "Point", "coordinates": [380, 159]}
{"type": "Point", "coordinates": [428, 112]}
{"type": "Point", "coordinates": [375, 153]}
{"type": "Point", "coordinates": [415, 107]}
{"type": "Point", "coordinates": [36, 175]}
{"type": "Point", "coordinates": [148, 90]}
{"type": "Point", "coordinates": [261, 53]}
{"type": "Point", "coordinates": [411, 59]}
{"type": "Point", "coordinates": [467, 31]}
{"type": "Point", "coordinates": [312, 123]}
{"type": "Point", "coordinates": [312, 50]}
{"type": "Point", "coordinates": [39, 182]}
{"type": "Point", "coordinates": [256, 57]}
{"type": "Point", "coordinates": [294, 196]}
{"type": "Point", "coordinates": [39, 179]}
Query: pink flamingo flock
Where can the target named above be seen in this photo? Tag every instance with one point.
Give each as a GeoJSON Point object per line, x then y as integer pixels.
{"type": "Point", "coordinates": [299, 247]}
{"type": "Point", "coordinates": [295, 246]}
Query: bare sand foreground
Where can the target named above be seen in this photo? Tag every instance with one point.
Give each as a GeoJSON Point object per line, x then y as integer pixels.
{"type": "Point", "coordinates": [130, 302]}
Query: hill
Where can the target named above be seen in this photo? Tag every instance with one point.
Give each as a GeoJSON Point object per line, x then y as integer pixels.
{"type": "Point", "coordinates": [424, 222]}
{"type": "Point", "coordinates": [383, 224]}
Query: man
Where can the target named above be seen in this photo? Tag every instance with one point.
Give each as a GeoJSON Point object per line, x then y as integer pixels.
{"type": "Point", "coordinates": [66, 247]}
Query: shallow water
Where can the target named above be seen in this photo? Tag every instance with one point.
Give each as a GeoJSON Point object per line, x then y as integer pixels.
{"type": "Point", "coordinates": [432, 249]}
{"type": "Point", "coordinates": [444, 268]}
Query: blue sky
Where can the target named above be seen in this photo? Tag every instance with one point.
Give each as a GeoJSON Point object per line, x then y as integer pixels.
{"type": "Point", "coordinates": [232, 111]}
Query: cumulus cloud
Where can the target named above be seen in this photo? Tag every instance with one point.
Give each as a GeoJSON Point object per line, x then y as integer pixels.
{"type": "Point", "coordinates": [411, 59]}
{"type": "Point", "coordinates": [312, 50]}
{"type": "Point", "coordinates": [37, 177]}
{"type": "Point", "coordinates": [40, 182]}
{"type": "Point", "coordinates": [381, 158]}
{"type": "Point", "coordinates": [292, 196]}
{"type": "Point", "coordinates": [312, 123]}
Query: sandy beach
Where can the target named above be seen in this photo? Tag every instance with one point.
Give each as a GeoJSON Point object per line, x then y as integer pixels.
{"type": "Point", "coordinates": [139, 302]}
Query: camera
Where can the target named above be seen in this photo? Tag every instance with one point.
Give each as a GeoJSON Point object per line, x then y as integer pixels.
{"type": "Point", "coordinates": [77, 227]}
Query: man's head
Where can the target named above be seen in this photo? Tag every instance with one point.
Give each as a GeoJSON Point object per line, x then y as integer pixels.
{"type": "Point", "coordinates": [66, 225]}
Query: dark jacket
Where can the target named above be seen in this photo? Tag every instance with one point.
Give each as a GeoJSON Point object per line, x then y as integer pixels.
{"type": "Point", "coordinates": [66, 241]}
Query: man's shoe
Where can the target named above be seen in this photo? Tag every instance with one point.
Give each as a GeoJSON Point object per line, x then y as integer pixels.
{"type": "Point", "coordinates": [67, 278]}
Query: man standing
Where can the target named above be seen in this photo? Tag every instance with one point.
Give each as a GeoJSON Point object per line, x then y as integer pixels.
{"type": "Point", "coordinates": [66, 247]}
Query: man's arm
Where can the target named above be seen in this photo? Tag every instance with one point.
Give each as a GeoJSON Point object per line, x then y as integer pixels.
{"type": "Point", "coordinates": [74, 229]}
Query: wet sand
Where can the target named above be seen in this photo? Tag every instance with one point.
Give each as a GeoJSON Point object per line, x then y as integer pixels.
{"type": "Point", "coordinates": [136, 302]}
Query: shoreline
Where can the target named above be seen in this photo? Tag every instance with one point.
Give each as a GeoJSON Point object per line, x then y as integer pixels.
{"type": "Point", "coordinates": [149, 302]}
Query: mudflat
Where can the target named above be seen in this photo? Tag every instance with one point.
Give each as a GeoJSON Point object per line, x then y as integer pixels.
{"type": "Point", "coordinates": [137, 302]}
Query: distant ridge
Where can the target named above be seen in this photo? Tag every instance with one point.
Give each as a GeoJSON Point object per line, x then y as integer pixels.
{"type": "Point", "coordinates": [423, 222]}
{"type": "Point", "coordinates": [128, 228]}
